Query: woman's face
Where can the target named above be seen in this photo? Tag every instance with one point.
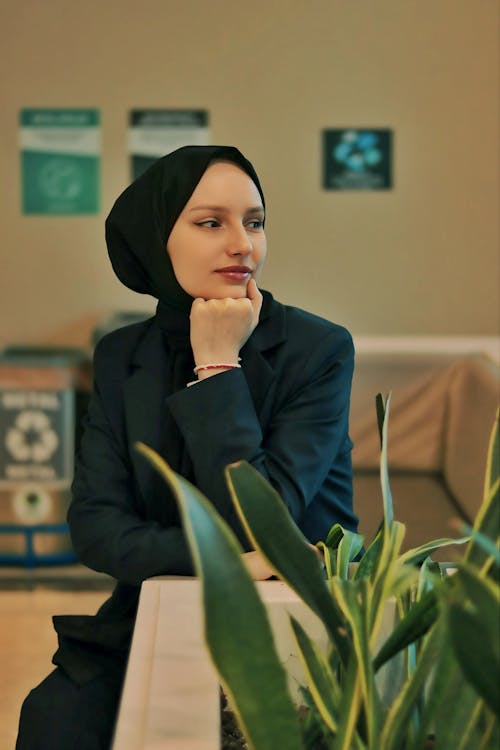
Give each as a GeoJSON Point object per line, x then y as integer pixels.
{"type": "Point", "coordinates": [218, 243]}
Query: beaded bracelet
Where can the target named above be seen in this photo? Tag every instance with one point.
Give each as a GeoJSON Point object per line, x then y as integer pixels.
{"type": "Point", "coordinates": [221, 366]}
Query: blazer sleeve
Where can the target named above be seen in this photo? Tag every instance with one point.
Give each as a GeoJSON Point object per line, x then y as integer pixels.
{"type": "Point", "coordinates": [307, 431]}
{"type": "Point", "coordinates": [107, 530]}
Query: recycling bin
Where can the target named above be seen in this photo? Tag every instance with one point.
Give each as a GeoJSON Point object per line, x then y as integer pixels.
{"type": "Point", "coordinates": [43, 395]}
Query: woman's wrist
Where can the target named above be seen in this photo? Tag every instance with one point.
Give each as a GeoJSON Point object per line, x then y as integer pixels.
{"type": "Point", "coordinates": [208, 373]}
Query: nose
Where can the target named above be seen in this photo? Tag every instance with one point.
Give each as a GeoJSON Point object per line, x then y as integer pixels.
{"type": "Point", "coordinates": [239, 243]}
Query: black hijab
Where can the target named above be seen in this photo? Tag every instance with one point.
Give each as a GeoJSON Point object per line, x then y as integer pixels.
{"type": "Point", "coordinates": [140, 222]}
{"type": "Point", "coordinates": [137, 231]}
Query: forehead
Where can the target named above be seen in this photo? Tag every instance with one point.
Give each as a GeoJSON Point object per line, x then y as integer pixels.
{"type": "Point", "coordinates": [224, 180]}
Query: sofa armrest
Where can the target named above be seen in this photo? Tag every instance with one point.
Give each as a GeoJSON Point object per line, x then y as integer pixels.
{"type": "Point", "coordinates": [473, 399]}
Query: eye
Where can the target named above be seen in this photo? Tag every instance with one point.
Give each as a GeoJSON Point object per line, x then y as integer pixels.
{"type": "Point", "coordinates": [256, 224]}
{"type": "Point", "coordinates": [209, 223]}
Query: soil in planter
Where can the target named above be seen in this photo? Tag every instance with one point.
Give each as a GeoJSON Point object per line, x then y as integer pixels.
{"type": "Point", "coordinates": [233, 739]}
{"type": "Point", "coordinates": [231, 736]}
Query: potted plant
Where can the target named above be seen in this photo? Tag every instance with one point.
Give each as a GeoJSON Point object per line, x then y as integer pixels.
{"type": "Point", "coordinates": [446, 630]}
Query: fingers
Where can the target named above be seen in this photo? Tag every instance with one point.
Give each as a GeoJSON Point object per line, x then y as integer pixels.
{"type": "Point", "coordinates": [256, 566]}
{"type": "Point", "coordinates": [255, 297]}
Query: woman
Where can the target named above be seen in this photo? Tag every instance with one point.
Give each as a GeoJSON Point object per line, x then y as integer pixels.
{"type": "Point", "coordinates": [271, 385]}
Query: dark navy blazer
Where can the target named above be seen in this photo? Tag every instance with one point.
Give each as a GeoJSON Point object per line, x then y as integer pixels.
{"type": "Point", "coordinates": [286, 412]}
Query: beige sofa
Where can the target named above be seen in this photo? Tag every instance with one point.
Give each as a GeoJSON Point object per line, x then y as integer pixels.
{"type": "Point", "coordinates": [442, 411]}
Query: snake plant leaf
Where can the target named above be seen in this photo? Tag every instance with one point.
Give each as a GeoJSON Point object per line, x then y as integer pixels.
{"type": "Point", "coordinates": [271, 530]}
{"type": "Point", "coordinates": [488, 517]}
{"type": "Point", "coordinates": [322, 682]}
{"type": "Point", "coordinates": [452, 706]}
{"type": "Point", "coordinates": [400, 713]}
{"type": "Point", "coordinates": [349, 547]}
{"type": "Point", "coordinates": [416, 555]}
{"type": "Point", "coordinates": [383, 575]}
{"type": "Point", "coordinates": [430, 575]}
{"type": "Point", "coordinates": [349, 709]}
{"type": "Point", "coordinates": [487, 545]}
{"type": "Point", "coordinates": [314, 730]}
{"type": "Point", "coordinates": [487, 524]}
{"type": "Point", "coordinates": [237, 629]}
{"type": "Point", "coordinates": [380, 409]}
{"type": "Point", "coordinates": [384, 469]}
{"type": "Point", "coordinates": [329, 557]}
{"type": "Point", "coordinates": [334, 536]}
{"type": "Point", "coordinates": [420, 617]}
{"type": "Point", "coordinates": [368, 562]}
{"type": "Point", "coordinates": [402, 579]}
{"type": "Point", "coordinates": [353, 599]}
{"type": "Point", "coordinates": [473, 617]}
{"type": "Point", "coordinates": [479, 665]}
{"type": "Point", "coordinates": [482, 592]}
{"type": "Point", "coordinates": [493, 461]}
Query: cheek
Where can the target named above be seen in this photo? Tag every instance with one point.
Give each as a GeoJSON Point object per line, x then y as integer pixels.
{"type": "Point", "coordinates": [262, 252]}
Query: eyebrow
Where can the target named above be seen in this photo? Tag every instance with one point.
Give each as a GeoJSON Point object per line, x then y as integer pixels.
{"type": "Point", "coordinates": [222, 209]}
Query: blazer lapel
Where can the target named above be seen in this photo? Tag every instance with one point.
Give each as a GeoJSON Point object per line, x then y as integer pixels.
{"type": "Point", "coordinates": [144, 396]}
{"type": "Point", "coordinates": [259, 376]}
{"type": "Point", "coordinates": [257, 367]}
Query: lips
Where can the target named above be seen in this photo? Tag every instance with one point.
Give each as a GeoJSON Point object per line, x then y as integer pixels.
{"type": "Point", "coordinates": [235, 273]}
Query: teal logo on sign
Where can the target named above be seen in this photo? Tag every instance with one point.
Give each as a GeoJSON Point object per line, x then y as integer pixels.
{"type": "Point", "coordinates": [60, 161]}
{"type": "Point", "coordinates": [357, 159]}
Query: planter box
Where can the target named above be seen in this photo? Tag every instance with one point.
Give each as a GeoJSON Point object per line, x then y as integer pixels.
{"type": "Point", "coordinates": [170, 698]}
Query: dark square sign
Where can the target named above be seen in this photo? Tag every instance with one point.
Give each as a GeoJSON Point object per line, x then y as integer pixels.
{"type": "Point", "coordinates": [357, 159]}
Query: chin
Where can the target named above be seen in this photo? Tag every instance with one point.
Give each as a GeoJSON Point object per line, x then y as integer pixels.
{"type": "Point", "coordinates": [234, 292]}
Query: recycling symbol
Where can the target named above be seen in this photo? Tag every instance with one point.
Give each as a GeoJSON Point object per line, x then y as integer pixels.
{"type": "Point", "coordinates": [31, 438]}
{"type": "Point", "coordinates": [60, 179]}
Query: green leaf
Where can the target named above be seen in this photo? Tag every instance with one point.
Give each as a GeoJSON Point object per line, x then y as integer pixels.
{"type": "Point", "coordinates": [430, 576]}
{"type": "Point", "coordinates": [487, 521]}
{"type": "Point", "coordinates": [322, 683]}
{"type": "Point", "coordinates": [399, 715]}
{"type": "Point", "coordinates": [314, 730]}
{"type": "Point", "coordinates": [368, 562]}
{"type": "Point", "coordinates": [349, 547]}
{"type": "Point", "coordinates": [487, 524]}
{"type": "Point", "coordinates": [380, 408]}
{"type": "Point", "coordinates": [349, 708]}
{"type": "Point", "coordinates": [482, 592]}
{"type": "Point", "coordinates": [493, 461]}
{"type": "Point", "coordinates": [383, 577]}
{"type": "Point", "coordinates": [334, 536]}
{"type": "Point", "coordinates": [473, 618]}
{"type": "Point", "coordinates": [329, 556]}
{"type": "Point", "coordinates": [353, 598]}
{"type": "Point", "coordinates": [402, 579]}
{"type": "Point", "coordinates": [485, 543]}
{"type": "Point", "coordinates": [451, 705]}
{"type": "Point", "coordinates": [414, 625]}
{"type": "Point", "coordinates": [237, 629]}
{"type": "Point", "coordinates": [384, 469]}
{"type": "Point", "coordinates": [478, 664]}
{"type": "Point", "coordinates": [417, 554]}
{"type": "Point", "coordinates": [272, 531]}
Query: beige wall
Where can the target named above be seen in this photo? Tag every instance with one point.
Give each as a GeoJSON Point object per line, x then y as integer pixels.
{"type": "Point", "coordinates": [422, 258]}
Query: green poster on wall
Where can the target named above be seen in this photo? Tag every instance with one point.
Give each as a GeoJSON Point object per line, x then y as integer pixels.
{"type": "Point", "coordinates": [60, 161]}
